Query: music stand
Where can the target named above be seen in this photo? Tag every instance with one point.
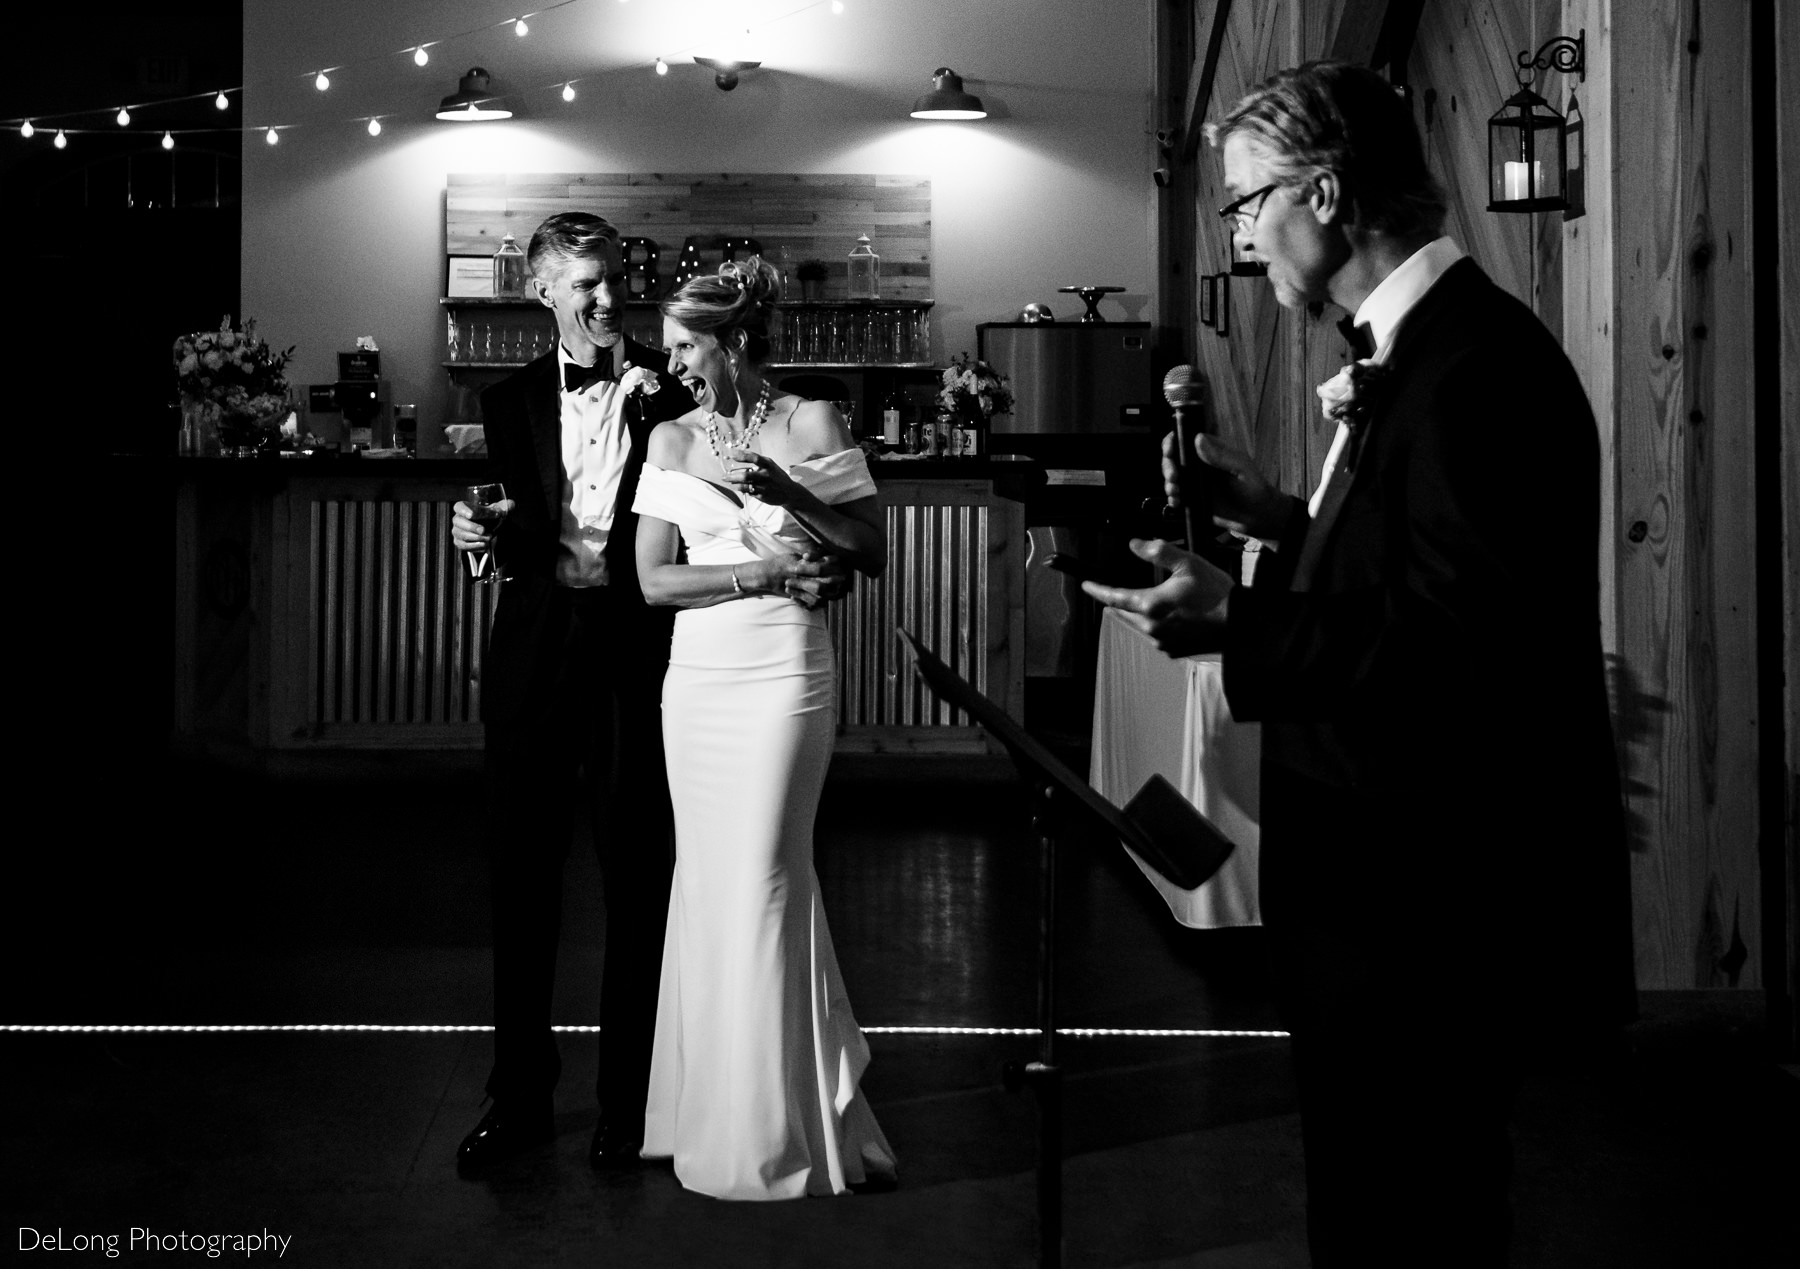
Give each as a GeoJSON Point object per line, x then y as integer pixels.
{"type": "Point", "coordinates": [1160, 825]}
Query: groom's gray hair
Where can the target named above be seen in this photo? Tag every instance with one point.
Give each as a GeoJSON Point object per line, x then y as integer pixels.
{"type": "Point", "coordinates": [1334, 117]}
{"type": "Point", "coordinates": [567, 236]}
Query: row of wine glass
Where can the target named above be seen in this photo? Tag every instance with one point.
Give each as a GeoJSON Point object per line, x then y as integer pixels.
{"type": "Point", "coordinates": [801, 336]}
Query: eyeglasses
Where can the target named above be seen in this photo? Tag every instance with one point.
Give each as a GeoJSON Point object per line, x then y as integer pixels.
{"type": "Point", "coordinates": [1242, 221]}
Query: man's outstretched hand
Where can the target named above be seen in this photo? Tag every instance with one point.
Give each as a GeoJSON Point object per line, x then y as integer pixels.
{"type": "Point", "coordinates": [1185, 613]}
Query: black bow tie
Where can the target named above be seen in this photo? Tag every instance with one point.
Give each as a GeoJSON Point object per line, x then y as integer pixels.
{"type": "Point", "coordinates": [1360, 338]}
{"type": "Point", "coordinates": [576, 378]}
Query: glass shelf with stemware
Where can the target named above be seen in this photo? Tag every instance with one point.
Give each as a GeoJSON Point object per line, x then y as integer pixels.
{"type": "Point", "coordinates": [504, 334]}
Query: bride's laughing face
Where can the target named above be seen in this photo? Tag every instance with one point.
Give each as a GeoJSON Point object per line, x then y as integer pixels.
{"type": "Point", "coordinates": [703, 366]}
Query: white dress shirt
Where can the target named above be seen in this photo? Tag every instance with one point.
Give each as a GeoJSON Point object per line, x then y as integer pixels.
{"type": "Point", "coordinates": [595, 442]}
{"type": "Point", "coordinates": [1382, 311]}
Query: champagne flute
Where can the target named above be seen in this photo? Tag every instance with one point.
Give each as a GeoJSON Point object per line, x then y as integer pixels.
{"type": "Point", "coordinates": [484, 566]}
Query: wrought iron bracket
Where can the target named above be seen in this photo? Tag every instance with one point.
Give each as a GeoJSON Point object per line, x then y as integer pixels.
{"type": "Point", "coordinates": [1559, 53]}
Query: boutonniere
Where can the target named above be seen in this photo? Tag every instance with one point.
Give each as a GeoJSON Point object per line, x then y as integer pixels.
{"type": "Point", "coordinates": [640, 379]}
{"type": "Point", "coordinates": [1350, 397]}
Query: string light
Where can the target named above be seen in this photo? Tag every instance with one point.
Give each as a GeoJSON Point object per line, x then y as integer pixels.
{"type": "Point", "coordinates": [168, 142]}
{"type": "Point", "coordinates": [421, 56]}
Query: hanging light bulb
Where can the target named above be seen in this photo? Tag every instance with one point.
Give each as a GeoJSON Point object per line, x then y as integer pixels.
{"type": "Point", "coordinates": [374, 127]}
{"type": "Point", "coordinates": [271, 137]}
{"type": "Point", "coordinates": [222, 102]}
{"type": "Point", "coordinates": [322, 82]}
{"type": "Point", "coordinates": [25, 130]}
{"type": "Point", "coordinates": [62, 142]}
{"type": "Point", "coordinates": [662, 67]}
{"type": "Point", "coordinates": [168, 142]}
{"type": "Point", "coordinates": [420, 56]}
{"type": "Point", "coordinates": [124, 117]}
{"type": "Point", "coordinates": [569, 92]}
{"type": "Point", "coordinates": [519, 28]}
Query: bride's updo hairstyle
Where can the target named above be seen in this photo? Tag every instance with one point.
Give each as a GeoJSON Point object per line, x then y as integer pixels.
{"type": "Point", "coordinates": [742, 295]}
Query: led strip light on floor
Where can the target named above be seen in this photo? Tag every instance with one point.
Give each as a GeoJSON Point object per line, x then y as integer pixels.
{"type": "Point", "coordinates": [1179, 1033]}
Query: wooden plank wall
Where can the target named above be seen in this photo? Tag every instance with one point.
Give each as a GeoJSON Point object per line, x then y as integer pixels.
{"type": "Point", "coordinates": [1686, 592]}
{"type": "Point", "coordinates": [1648, 284]}
{"type": "Point", "coordinates": [1262, 372]}
{"type": "Point", "coordinates": [1461, 71]}
{"type": "Point", "coordinates": [812, 216]}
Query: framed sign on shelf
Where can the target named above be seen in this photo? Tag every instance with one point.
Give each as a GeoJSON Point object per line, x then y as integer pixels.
{"type": "Point", "coordinates": [469, 277]}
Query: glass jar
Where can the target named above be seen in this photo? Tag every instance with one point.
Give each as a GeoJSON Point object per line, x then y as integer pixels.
{"type": "Point", "coordinates": [509, 270]}
{"type": "Point", "coordinates": [865, 271]}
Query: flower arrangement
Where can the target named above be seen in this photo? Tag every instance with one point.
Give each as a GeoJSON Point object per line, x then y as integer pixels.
{"type": "Point", "coordinates": [972, 393]}
{"type": "Point", "coordinates": [232, 374]}
{"type": "Point", "coordinates": [973, 387]}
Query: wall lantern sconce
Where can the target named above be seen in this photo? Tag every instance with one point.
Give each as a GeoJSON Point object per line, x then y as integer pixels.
{"type": "Point", "coordinates": [474, 100]}
{"type": "Point", "coordinates": [725, 70]}
{"type": "Point", "coordinates": [947, 99]}
{"type": "Point", "coordinates": [1528, 142]}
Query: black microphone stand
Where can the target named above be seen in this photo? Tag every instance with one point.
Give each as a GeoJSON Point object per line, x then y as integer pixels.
{"type": "Point", "coordinates": [1161, 826]}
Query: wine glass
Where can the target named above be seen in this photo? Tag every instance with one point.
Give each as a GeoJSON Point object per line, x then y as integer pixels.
{"type": "Point", "coordinates": [484, 566]}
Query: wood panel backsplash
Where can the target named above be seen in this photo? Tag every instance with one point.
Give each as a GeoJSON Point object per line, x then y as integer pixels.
{"type": "Point", "coordinates": [812, 216]}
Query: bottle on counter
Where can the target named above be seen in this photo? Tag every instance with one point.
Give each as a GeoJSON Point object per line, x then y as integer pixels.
{"type": "Point", "coordinates": [865, 270]}
{"type": "Point", "coordinates": [509, 270]}
{"type": "Point", "coordinates": [406, 427]}
{"type": "Point", "coordinates": [971, 439]}
{"type": "Point", "coordinates": [892, 407]}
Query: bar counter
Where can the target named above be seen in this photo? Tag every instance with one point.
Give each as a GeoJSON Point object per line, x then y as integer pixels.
{"type": "Point", "coordinates": [320, 605]}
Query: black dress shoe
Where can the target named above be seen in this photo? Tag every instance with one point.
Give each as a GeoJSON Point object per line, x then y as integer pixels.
{"type": "Point", "coordinates": [501, 1135]}
{"type": "Point", "coordinates": [614, 1147]}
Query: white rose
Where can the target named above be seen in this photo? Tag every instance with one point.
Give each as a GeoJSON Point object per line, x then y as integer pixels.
{"type": "Point", "coordinates": [214, 359]}
{"type": "Point", "coordinates": [189, 364]}
{"type": "Point", "coordinates": [1335, 393]}
{"type": "Point", "coordinates": [640, 379]}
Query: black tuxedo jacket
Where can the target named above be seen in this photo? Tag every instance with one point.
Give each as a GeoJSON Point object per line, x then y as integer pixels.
{"type": "Point", "coordinates": [1442, 668]}
{"type": "Point", "coordinates": [522, 416]}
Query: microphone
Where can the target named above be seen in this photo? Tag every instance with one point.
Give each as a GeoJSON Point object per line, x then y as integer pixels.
{"type": "Point", "coordinates": [1184, 388]}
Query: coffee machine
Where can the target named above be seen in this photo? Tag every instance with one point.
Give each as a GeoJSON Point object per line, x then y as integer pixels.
{"type": "Point", "coordinates": [365, 401]}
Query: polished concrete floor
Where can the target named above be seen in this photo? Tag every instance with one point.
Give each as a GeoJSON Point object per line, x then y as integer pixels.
{"type": "Point", "coordinates": [193, 893]}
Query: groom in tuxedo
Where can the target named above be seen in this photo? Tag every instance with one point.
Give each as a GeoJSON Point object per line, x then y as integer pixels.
{"type": "Point", "coordinates": [572, 692]}
{"type": "Point", "coordinates": [1443, 857]}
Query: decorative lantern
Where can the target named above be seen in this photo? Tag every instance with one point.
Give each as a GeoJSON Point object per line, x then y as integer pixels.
{"type": "Point", "coordinates": [1528, 143]}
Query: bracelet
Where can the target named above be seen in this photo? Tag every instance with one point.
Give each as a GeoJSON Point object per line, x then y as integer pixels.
{"type": "Point", "coordinates": [737, 587]}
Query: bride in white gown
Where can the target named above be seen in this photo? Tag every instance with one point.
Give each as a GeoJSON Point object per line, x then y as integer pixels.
{"type": "Point", "coordinates": [754, 1076]}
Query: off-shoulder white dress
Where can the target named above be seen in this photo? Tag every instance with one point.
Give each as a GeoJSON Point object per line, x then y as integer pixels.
{"type": "Point", "coordinates": [754, 1075]}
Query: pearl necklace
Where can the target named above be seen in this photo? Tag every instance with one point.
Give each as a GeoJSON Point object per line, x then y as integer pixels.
{"type": "Point", "coordinates": [757, 414]}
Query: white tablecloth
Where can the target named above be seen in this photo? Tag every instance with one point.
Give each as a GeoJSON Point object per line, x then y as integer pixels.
{"type": "Point", "coordinates": [1155, 715]}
